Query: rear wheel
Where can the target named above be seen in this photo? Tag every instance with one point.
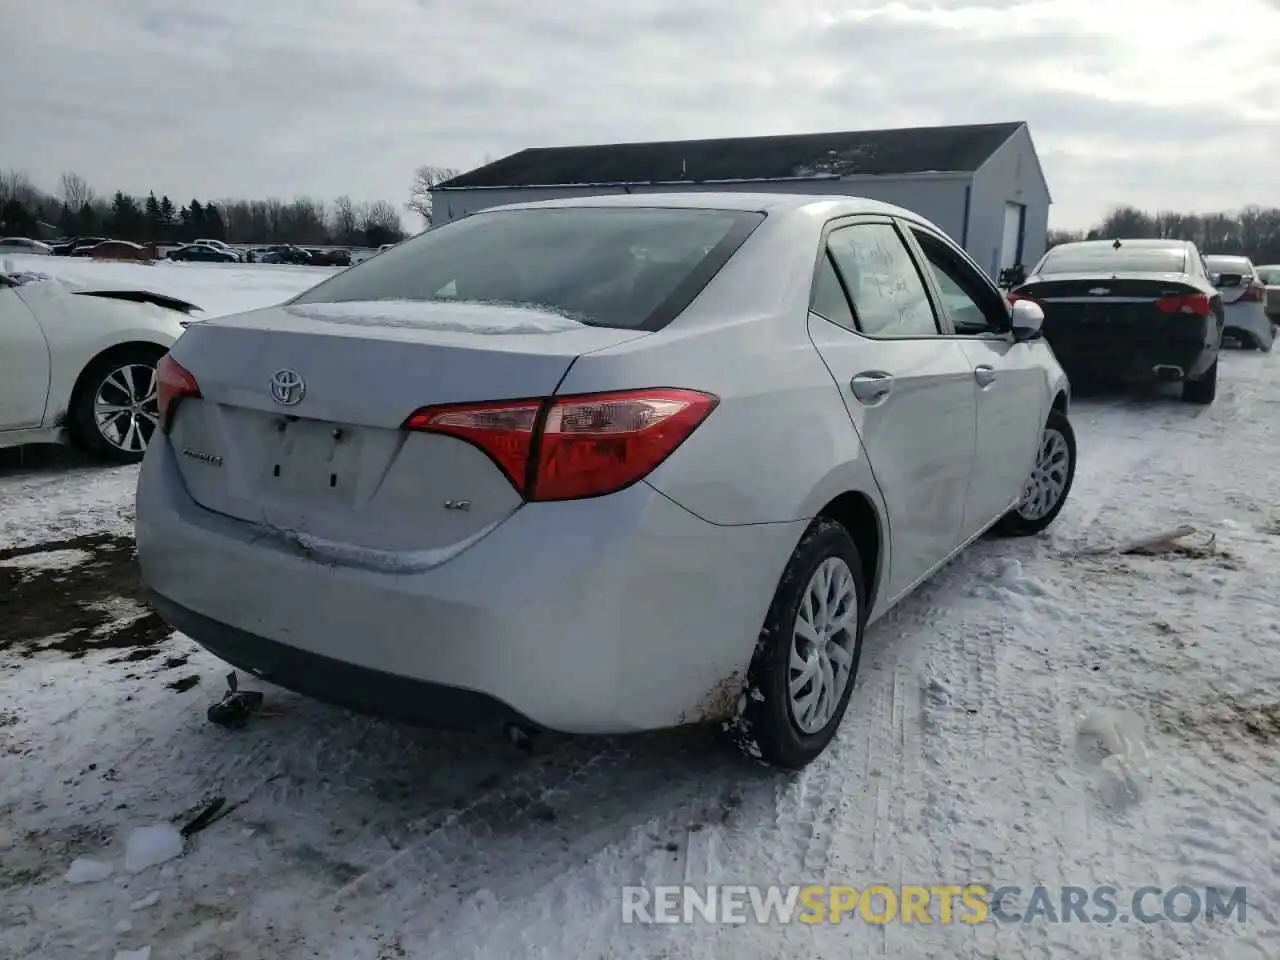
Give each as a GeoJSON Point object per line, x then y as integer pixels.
{"type": "Point", "coordinates": [1202, 391]}
{"type": "Point", "coordinates": [806, 659]}
{"type": "Point", "coordinates": [115, 410]}
{"type": "Point", "coordinates": [1046, 490]}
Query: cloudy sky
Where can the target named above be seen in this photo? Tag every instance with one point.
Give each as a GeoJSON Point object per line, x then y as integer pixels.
{"type": "Point", "coordinates": [1161, 103]}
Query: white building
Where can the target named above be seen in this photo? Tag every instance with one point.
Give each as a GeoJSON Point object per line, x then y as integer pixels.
{"type": "Point", "coordinates": [982, 183]}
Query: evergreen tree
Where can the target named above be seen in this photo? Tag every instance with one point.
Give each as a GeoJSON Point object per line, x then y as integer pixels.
{"type": "Point", "coordinates": [215, 229]}
{"type": "Point", "coordinates": [195, 224]}
{"type": "Point", "coordinates": [67, 221]}
{"type": "Point", "coordinates": [167, 213]}
{"type": "Point", "coordinates": [86, 220]}
{"type": "Point", "coordinates": [16, 220]}
{"type": "Point", "coordinates": [126, 218]}
{"type": "Point", "coordinates": [154, 221]}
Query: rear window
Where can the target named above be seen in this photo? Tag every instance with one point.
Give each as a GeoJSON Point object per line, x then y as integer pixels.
{"type": "Point", "coordinates": [633, 267]}
{"type": "Point", "coordinates": [1105, 258]}
{"type": "Point", "coordinates": [1269, 275]}
{"type": "Point", "coordinates": [1237, 265]}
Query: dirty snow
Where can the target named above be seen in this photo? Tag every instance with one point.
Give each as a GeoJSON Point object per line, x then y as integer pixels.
{"type": "Point", "coordinates": [84, 870]}
{"type": "Point", "coordinates": [1034, 714]}
{"type": "Point", "coordinates": [50, 560]}
{"type": "Point", "coordinates": [438, 315]}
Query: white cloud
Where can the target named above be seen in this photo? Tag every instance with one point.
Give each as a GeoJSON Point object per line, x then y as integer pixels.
{"type": "Point", "coordinates": [1158, 102]}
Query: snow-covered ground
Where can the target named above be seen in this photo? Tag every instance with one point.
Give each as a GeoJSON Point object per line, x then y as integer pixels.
{"type": "Point", "coordinates": [1035, 714]}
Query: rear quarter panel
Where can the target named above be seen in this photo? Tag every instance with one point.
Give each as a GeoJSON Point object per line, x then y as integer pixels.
{"type": "Point", "coordinates": [780, 445]}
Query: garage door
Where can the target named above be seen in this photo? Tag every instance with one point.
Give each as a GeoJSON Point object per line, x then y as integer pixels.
{"type": "Point", "coordinates": [1010, 252]}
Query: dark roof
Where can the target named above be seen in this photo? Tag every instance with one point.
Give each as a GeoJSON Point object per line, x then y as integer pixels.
{"type": "Point", "coordinates": [785, 157]}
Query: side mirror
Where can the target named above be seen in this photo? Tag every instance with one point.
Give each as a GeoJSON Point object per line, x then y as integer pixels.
{"type": "Point", "coordinates": [1027, 318]}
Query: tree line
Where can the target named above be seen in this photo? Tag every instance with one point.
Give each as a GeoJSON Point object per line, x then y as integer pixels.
{"type": "Point", "coordinates": [1253, 232]}
{"type": "Point", "coordinates": [76, 209]}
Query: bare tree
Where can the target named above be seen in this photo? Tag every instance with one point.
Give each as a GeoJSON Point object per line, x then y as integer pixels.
{"type": "Point", "coordinates": [74, 190]}
{"type": "Point", "coordinates": [16, 185]}
{"type": "Point", "coordinates": [346, 219]}
{"type": "Point", "coordinates": [424, 178]}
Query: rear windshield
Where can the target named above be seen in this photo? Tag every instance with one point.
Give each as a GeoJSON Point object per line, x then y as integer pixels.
{"type": "Point", "coordinates": [1105, 258]}
{"type": "Point", "coordinates": [633, 267]}
{"type": "Point", "coordinates": [1269, 275]}
{"type": "Point", "coordinates": [1238, 265]}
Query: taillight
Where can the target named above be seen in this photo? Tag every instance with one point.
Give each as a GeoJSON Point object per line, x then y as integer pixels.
{"type": "Point", "coordinates": [173, 382]}
{"type": "Point", "coordinates": [1254, 293]}
{"type": "Point", "coordinates": [1197, 304]}
{"type": "Point", "coordinates": [503, 430]}
{"type": "Point", "coordinates": [567, 448]}
{"type": "Point", "coordinates": [1013, 296]}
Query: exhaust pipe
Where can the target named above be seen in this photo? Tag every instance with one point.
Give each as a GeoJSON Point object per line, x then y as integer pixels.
{"type": "Point", "coordinates": [1167, 371]}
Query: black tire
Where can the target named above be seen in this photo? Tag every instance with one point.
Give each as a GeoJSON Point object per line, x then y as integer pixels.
{"type": "Point", "coordinates": [1202, 391]}
{"type": "Point", "coordinates": [1013, 523]}
{"type": "Point", "coordinates": [81, 419]}
{"type": "Point", "coordinates": [765, 728]}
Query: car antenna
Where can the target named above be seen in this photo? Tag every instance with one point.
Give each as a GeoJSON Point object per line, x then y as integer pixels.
{"type": "Point", "coordinates": [1116, 245]}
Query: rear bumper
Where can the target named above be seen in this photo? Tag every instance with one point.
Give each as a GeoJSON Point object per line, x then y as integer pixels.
{"type": "Point", "coordinates": [1249, 318]}
{"type": "Point", "coordinates": [611, 615]}
{"type": "Point", "coordinates": [1133, 355]}
{"type": "Point", "coordinates": [337, 681]}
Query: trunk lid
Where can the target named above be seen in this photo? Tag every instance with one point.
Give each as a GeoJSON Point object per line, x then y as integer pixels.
{"type": "Point", "coordinates": [1091, 303]}
{"type": "Point", "coordinates": [1233, 286]}
{"type": "Point", "coordinates": [1089, 315]}
{"type": "Point", "coordinates": [330, 466]}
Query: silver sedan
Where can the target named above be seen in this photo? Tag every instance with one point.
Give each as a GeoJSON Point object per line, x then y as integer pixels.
{"type": "Point", "coordinates": [601, 465]}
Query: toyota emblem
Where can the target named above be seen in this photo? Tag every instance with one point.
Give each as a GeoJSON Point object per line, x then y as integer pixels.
{"type": "Point", "coordinates": [287, 387]}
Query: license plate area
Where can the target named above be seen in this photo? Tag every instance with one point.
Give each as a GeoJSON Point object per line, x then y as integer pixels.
{"type": "Point", "coordinates": [312, 460]}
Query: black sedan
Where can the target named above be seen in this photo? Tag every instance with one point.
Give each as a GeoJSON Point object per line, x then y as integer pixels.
{"type": "Point", "coordinates": [1129, 311]}
{"type": "Point", "coordinates": [203, 253]}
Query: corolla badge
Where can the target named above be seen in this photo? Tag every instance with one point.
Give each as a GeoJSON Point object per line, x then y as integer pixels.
{"type": "Point", "coordinates": [1099, 291]}
{"type": "Point", "coordinates": [287, 387]}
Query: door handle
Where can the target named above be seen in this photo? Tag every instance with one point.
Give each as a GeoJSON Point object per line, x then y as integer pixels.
{"type": "Point", "coordinates": [872, 387]}
{"type": "Point", "coordinates": [984, 374]}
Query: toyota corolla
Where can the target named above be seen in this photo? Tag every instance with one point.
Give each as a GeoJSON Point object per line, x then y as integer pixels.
{"type": "Point", "coordinates": [601, 465]}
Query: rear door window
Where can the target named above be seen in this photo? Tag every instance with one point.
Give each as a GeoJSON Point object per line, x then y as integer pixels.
{"type": "Point", "coordinates": [888, 294]}
{"type": "Point", "coordinates": [829, 300]}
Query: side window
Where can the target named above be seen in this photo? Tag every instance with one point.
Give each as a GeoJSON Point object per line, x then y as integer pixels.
{"type": "Point", "coordinates": [828, 300]}
{"type": "Point", "coordinates": [973, 306]}
{"type": "Point", "coordinates": [889, 298]}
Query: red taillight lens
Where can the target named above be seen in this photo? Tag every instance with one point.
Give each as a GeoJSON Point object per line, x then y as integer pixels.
{"type": "Point", "coordinates": [1196, 304]}
{"type": "Point", "coordinates": [1254, 293]}
{"type": "Point", "coordinates": [600, 443]}
{"type": "Point", "coordinates": [173, 382]}
{"type": "Point", "coordinates": [586, 446]}
{"type": "Point", "coordinates": [503, 430]}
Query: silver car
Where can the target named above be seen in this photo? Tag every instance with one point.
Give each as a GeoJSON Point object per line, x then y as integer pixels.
{"type": "Point", "coordinates": [1269, 275]}
{"type": "Point", "coordinates": [600, 465]}
{"type": "Point", "coordinates": [1243, 300]}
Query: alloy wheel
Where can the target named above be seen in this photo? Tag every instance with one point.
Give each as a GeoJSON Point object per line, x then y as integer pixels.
{"type": "Point", "coordinates": [126, 409]}
{"type": "Point", "coordinates": [1048, 480]}
{"type": "Point", "coordinates": [822, 641]}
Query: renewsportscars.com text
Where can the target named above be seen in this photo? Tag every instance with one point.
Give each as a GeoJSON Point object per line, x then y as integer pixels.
{"type": "Point", "coordinates": [932, 904]}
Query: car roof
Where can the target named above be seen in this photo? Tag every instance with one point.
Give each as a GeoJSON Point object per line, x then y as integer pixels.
{"type": "Point", "coordinates": [827, 204]}
{"type": "Point", "coordinates": [1232, 258]}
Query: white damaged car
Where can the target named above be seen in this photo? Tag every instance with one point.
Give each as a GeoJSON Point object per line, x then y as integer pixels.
{"type": "Point", "coordinates": [78, 364]}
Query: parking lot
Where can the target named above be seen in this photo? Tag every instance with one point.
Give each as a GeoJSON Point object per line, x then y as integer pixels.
{"type": "Point", "coordinates": [1053, 711]}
